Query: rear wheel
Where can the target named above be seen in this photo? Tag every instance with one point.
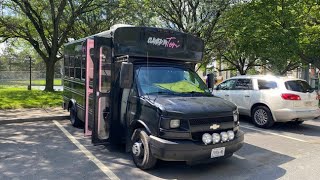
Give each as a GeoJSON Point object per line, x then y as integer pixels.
{"type": "Point", "coordinates": [262, 117]}
{"type": "Point", "coordinates": [75, 121]}
{"type": "Point", "coordinates": [141, 152]}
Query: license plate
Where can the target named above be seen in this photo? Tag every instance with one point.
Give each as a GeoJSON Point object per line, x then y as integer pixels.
{"type": "Point", "coordinates": [308, 104]}
{"type": "Point", "coordinates": [217, 152]}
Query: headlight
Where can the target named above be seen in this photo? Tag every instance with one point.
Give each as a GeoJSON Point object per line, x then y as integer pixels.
{"type": "Point", "coordinates": [216, 138]}
{"type": "Point", "coordinates": [235, 115]}
{"type": "Point", "coordinates": [230, 135]}
{"type": "Point", "coordinates": [224, 136]}
{"type": "Point", "coordinates": [206, 138]}
{"type": "Point", "coordinates": [175, 123]}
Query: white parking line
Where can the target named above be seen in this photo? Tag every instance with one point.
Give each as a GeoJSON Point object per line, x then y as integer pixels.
{"type": "Point", "coordinates": [239, 157]}
{"type": "Point", "coordinates": [95, 160]}
{"type": "Point", "coordinates": [267, 132]}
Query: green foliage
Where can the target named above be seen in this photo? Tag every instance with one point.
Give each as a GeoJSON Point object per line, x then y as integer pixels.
{"type": "Point", "coordinates": [237, 39]}
{"type": "Point", "coordinates": [13, 98]}
{"type": "Point", "coordinates": [42, 82]}
{"type": "Point", "coordinates": [44, 24]}
{"type": "Point", "coordinates": [309, 39]}
{"type": "Point", "coordinates": [274, 33]}
{"type": "Point", "coordinates": [198, 17]}
{"type": "Point", "coordinates": [114, 12]}
{"type": "Point", "coordinates": [15, 56]}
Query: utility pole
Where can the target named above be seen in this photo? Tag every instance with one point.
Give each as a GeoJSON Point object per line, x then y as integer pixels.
{"type": "Point", "coordinates": [30, 60]}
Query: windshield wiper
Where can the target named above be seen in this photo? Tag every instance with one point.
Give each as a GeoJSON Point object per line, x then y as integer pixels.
{"type": "Point", "coordinates": [196, 92]}
{"type": "Point", "coordinates": [160, 92]}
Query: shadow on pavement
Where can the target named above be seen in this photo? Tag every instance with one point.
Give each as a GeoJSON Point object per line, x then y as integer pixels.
{"type": "Point", "coordinates": [258, 163]}
{"type": "Point", "coordinates": [39, 150]}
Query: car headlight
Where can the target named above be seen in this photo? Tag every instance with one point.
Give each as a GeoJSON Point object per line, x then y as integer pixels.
{"type": "Point", "coordinates": [175, 123]}
{"type": "Point", "coordinates": [216, 138]}
{"type": "Point", "coordinates": [230, 135]}
{"type": "Point", "coordinates": [236, 115]}
{"type": "Point", "coordinates": [224, 136]}
{"type": "Point", "coordinates": [206, 138]}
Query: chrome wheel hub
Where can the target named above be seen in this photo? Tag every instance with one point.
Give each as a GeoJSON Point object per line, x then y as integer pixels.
{"type": "Point", "coordinates": [136, 148]}
{"type": "Point", "coordinates": [261, 117]}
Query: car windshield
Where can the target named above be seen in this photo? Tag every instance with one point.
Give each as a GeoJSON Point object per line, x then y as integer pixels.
{"type": "Point", "coordinates": [169, 80]}
{"type": "Point", "coordinates": [298, 86]}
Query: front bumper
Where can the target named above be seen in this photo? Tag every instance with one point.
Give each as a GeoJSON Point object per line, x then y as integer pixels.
{"type": "Point", "coordinates": [283, 115]}
{"type": "Point", "coordinates": [186, 150]}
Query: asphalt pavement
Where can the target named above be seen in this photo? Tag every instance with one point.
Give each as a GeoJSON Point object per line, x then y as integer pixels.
{"type": "Point", "coordinates": [56, 150]}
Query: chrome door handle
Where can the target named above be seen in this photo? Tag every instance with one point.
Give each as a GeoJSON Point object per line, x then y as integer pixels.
{"type": "Point", "coordinates": [246, 96]}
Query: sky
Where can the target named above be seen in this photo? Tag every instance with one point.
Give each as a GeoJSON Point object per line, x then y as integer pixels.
{"type": "Point", "coordinates": [2, 46]}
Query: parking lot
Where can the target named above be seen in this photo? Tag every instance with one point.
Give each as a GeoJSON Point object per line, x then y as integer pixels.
{"type": "Point", "coordinates": [56, 150]}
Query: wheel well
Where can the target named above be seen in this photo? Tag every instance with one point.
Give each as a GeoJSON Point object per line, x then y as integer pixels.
{"type": "Point", "coordinates": [140, 124]}
{"type": "Point", "coordinates": [258, 104]}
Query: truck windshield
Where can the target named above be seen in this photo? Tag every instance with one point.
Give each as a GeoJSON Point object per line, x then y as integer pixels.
{"type": "Point", "coordinates": [169, 80]}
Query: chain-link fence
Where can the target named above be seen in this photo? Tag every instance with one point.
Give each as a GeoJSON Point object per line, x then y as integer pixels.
{"type": "Point", "coordinates": [21, 78]}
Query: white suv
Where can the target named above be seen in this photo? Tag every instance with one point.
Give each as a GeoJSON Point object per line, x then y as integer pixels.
{"type": "Point", "coordinates": [269, 98]}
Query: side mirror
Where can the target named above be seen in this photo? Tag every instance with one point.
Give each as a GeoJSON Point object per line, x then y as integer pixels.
{"type": "Point", "coordinates": [126, 75]}
{"type": "Point", "coordinates": [210, 80]}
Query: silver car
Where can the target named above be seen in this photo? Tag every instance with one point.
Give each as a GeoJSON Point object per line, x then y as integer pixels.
{"type": "Point", "coordinates": [268, 99]}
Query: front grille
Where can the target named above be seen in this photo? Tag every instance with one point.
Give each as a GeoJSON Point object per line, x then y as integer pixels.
{"type": "Point", "coordinates": [200, 126]}
{"type": "Point", "coordinates": [209, 121]}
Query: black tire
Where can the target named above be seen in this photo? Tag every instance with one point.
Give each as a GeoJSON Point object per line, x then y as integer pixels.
{"type": "Point", "coordinates": [262, 117]}
{"type": "Point", "coordinates": [143, 160]}
{"type": "Point", "coordinates": [75, 121]}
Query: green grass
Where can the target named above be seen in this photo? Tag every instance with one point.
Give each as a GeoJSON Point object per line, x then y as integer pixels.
{"type": "Point", "coordinates": [38, 82]}
{"type": "Point", "coordinates": [15, 97]}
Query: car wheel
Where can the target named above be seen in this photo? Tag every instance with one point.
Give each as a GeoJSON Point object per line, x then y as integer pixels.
{"type": "Point", "coordinates": [75, 121]}
{"type": "Point", "coordinates": [141, 153]}
{"type": "Point", "coordinates": [262, 117]}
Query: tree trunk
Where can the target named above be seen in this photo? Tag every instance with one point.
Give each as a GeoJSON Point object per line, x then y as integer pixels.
{"type": "Point", "coordinates": [49, 75]}
{"type": "Point", "coordinates": [313, 60]}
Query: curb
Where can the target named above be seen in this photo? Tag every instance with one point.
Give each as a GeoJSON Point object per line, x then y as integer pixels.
{"type": "Point", "coordinates": [48, 118]}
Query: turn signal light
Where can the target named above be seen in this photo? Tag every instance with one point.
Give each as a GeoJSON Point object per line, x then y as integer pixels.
{"type": "Point", "coordinates": [288, 96]}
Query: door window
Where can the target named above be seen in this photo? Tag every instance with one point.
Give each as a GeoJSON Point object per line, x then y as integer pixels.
{"type": "Point", "coordinates": [243, 84]}
{"type": "Point", "coordinates": [264, 84]}
{"type": "Point", "coordinates": [227, 85]}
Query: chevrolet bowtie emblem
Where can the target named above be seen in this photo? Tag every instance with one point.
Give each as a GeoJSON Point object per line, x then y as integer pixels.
{"type": "Point", "coordinates": [214, 126]}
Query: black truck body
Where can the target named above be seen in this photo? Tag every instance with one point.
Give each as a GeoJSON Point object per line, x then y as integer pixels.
{"type": "Point", "coordinates": [137, 85]}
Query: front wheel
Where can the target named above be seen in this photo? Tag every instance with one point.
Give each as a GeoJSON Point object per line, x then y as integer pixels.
{"type": "Point", "coordinates": [141, 153]}
{"type": "Point", "coordinates": [262, 117]}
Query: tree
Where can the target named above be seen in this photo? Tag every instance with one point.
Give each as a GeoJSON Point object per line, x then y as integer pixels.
{"type": "Point", "coordinates": [309, 39]}
{"type": "Point", "coordinates": [237, 41]}
{"type": "Point", "coordinates": [197, 17]}
{"type": "Point", "coordinates": [279, 32]}
{"type": "Point", "coordinates": [130, 12]}
{"type": "Point", "coordinates": [44, 24]}
{"type": "Point", "coordinates": [136, 13]}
